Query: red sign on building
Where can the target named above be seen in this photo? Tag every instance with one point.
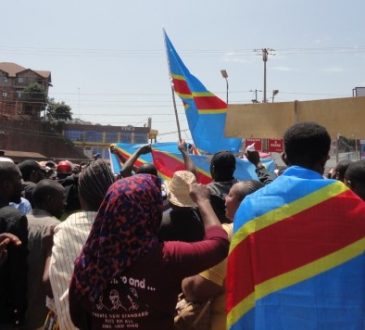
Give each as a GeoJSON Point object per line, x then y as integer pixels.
{"type": "Point", "coordinates": [275, 145]}
{"type": "Point", "coordinates": [256, 141]}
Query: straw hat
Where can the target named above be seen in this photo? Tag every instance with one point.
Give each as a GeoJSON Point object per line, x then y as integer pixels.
{"type": "Point", "coordinates": [178, 189]}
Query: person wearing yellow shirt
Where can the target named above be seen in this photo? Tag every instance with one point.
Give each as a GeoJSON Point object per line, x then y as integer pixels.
{"type": "Point", "coordinates": [209, 285]}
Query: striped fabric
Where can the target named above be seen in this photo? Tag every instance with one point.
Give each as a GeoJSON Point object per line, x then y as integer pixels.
{"type": "Point", "coordinates": [69, 239]}
{"type": "Point", "coordinates": [168, 159]}
{"type": "Point", "coordinates": [205, 112]}
{"type": "Point", "coordinates": [297, 257]}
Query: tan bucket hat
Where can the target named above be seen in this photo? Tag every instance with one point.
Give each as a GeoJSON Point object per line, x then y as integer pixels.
{"type": "Point", "coordinates": [178, 189]}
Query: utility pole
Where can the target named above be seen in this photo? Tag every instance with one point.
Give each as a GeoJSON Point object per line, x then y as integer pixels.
{"type": "Point", "coordinates": [265, 57]}
{"type": "Point", "coordinates": [255, 91]}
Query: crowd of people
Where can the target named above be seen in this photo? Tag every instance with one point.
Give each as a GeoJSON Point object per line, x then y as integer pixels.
{"type": "Point", "coordinates": [81, 247]}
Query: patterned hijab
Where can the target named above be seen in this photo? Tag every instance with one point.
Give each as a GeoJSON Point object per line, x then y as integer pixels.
{"type": "Point", "coordinates": [125, 229]}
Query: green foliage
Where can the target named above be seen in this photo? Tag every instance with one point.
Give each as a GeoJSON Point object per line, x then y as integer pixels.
{"type": "Point", "coordinates": [58, 111]}
{"type": "Point", "coordinates": [34, 92]}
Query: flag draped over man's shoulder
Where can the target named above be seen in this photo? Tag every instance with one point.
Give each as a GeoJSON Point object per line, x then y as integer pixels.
{"type": "Point", "coordinates": [205, 112]}
{"type": "Point", "coordinates": [297, 257]}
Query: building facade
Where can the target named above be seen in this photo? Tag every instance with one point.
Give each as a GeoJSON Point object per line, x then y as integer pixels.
{"type": "Point", "coordinates": [13, 80]}
{"type": "Point", "coordinates": [94, 139]}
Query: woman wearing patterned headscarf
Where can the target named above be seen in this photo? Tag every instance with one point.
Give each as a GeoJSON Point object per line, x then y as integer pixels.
{"type": "Point", "coordinates": [125, 277]}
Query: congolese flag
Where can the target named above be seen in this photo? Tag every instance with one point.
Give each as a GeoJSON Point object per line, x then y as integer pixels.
{"type": "Point", "coordinates": [168, 159]}
{"type": "Point", "coordinates": [297, 258]}
{"type": "Point", "coordinates": [205, 112]}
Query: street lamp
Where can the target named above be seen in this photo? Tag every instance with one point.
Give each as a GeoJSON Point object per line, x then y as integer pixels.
{"type": "Point", "coordinates": [274, 92]}
{"type": "Point", "coordinates": [225, 76]}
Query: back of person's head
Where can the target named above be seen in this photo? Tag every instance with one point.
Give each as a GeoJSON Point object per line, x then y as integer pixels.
{"type": "Point", "coordinates": [307, 144]}
{"type": "Point", "coordinates": [355, 177]}
{"type": "Point", "coordinates": [147, 169]}
{"type": "Point", "coordinates": [94, 181]}
{"type": "Point", "coordinates": [340, 169]}
{"type": "Point", "coordinates": [125, 229]}
{"type": "Point", "coordinates": [51, 164]}
{"type": "Point", "coordinates": [237, 193]}
{"type": "Point", "coordinates": [222, 166]}
{"type": "Point", "coordinates": [49, 195]}
{"type": "Point", "coordinates": [10, 182]}
{"type": "Point", "coordinates": [31, 170]}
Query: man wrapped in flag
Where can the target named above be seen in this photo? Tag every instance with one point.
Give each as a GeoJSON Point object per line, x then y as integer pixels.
{"type": "Point", "coordinates": [297, 256]}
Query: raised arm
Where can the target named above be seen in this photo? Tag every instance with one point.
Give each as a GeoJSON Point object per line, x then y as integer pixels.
{"type": "Point", "coordinates": [129, 164]}
{"type": "Point", "coordinates": [263, 174]}
{"type": "Point", "coordinates": [189, 165]}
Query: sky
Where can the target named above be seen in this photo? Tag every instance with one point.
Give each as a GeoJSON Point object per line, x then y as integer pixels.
{"type": "Point", "coordinates": [108, 61]}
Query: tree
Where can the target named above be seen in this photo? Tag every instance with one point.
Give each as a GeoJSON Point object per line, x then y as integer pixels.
{"type": "Point", "coordinates": [58, 111]}
{"type": "Point", "coordinates": [34, 92]}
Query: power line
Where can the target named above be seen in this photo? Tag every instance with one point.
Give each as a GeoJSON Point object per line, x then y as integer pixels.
{"type": "Point", "coordinates": [105, 52]}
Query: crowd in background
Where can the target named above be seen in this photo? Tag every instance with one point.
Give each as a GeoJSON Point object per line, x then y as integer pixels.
{"type": "Point", "coordinates": [81, 247]}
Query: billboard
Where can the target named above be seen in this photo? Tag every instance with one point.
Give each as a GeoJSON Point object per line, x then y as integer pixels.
{"type": "Point", "coordinates": [275, 145]}
{"type": "Point", "coordinates": [256, 141]}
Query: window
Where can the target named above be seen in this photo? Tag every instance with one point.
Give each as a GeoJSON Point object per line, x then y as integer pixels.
{"type": "Point", "coordinates": [20, 80]}
{"type": "Point", "coordinates": [126, 137]}
{"type": "Point", "coordinates": [5, 94]}
{"type": "Point", "coordinates": [111, 137]}
{"type": "Point", "coordinates": [93, 136]}
{"type": "Point", "coordinates": [140, 137]}
{"type": "Point", "coordinates": [19, 94]}
{"type": "Point", "coordinates": [74, 135]}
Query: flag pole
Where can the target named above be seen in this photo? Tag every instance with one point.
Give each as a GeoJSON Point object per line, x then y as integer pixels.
{"type": "Point", "coordinates": [176, 114]}
{"type": "Point", "coordinates": [172, 89]}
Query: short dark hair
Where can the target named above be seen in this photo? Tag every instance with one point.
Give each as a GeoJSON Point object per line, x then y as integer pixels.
{"type": "Point", "coordinates": [7, 169]}
{"type": "Point", "coordinates": [222, 166]}
{"type": "Point", "coordinates": [306, 144]}
{"type": "Point", "coordinates": [341, 168]}
{"type": "Point", "coordinates": [356, 172]}
{"type": "Point", "coordinates": [42, 190]}
{"type": "Point", "coordinates": [147, 169]}
{"type": "Point", "coordinates": [27, 167]}
{"type": "Point", "coordinates": [355, 177]}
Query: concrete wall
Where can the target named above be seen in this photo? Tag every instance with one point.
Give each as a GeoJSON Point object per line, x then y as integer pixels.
{"type": "Point", "coordinates": [34, 136]}
{"type": "Point", "coordinates": [345, 117]}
